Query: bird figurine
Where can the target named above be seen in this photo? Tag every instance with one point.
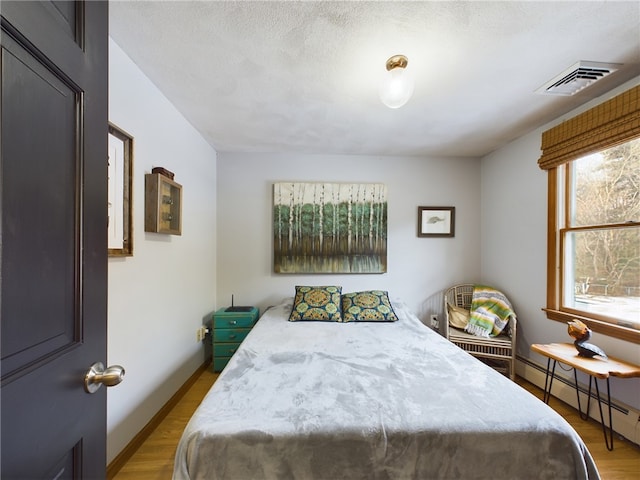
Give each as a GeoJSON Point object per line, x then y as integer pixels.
{"type": "Point", "coordinates": [581, 334]}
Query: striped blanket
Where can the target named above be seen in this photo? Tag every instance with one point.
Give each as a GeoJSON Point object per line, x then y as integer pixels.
{"type": "Point", "coordinates": [490, 312]}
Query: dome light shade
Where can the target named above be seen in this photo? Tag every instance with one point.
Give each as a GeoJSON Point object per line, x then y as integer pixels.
{"type": "Point", "coordinates": [396, 86]}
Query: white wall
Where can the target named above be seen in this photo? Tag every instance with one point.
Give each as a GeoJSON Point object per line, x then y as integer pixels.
{"type": "Point", "coordinates": [514, 255]}
{"type": "Point", "coordinates": [418, 268]}
{"type": "Point", "coordinates": [160, 296]}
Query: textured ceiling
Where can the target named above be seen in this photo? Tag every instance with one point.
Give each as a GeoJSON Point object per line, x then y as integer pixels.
{"type": "Point", "coordinates": [303, 76]}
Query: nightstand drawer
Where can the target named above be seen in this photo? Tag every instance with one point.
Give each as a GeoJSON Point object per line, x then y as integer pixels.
{"type": "Point", "coordinates": [237, 321]}
{"type": "Point", "coordinates": [230, 335]}
{"type": "Point", "coordinates": [219, 363]}
{"type": "Point", "coordinates": [225, 349]}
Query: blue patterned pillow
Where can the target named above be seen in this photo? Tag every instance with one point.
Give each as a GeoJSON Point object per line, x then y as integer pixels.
{"type": "Point", "coordinates": [317, 303]}
{"type": "Point", "coordinates": [369, 306]}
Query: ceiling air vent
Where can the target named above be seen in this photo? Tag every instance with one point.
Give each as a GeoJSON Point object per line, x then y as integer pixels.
{"type": "Point", "coordinates": [577, 77]}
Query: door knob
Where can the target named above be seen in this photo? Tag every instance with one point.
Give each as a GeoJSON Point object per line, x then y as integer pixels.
{"type": "Point", "coordinates": [98, 376]}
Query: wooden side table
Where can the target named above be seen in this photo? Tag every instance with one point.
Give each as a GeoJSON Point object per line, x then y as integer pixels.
{"type": "Point", "coordinates": [596, 368]}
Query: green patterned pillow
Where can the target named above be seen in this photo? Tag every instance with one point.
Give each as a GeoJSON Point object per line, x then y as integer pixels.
{"type": "Point", "coordinates": [317, 303]}
{"type": "Point", "coordinates": [369, 306]}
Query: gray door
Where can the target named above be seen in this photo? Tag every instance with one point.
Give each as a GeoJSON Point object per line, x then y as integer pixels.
{"type": "Point", "coordinates": [53, 239]}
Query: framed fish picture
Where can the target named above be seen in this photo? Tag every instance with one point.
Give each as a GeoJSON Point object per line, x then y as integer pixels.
{"type": "Point", "coordinates": [436, 221]}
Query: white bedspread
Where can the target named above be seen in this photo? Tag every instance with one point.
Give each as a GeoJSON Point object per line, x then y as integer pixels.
{"type": "Point", "coordinates": [323, 400]}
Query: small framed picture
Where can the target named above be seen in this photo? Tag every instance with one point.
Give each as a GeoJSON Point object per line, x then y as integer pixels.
{"type": "Point", "coordinates": [436, 221]}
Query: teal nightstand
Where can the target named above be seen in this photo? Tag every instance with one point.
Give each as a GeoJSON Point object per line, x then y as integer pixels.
{"type": "Point", "coordinates": [229, 330]}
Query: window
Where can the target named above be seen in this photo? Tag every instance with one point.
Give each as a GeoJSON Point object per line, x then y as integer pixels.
{"type": "Point", "coordinates": [593, 265]}
{"type": "Point", "coordinates": [599, 243]}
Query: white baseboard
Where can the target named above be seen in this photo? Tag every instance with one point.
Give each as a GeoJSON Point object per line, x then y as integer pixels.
{"type": "Point", "coordinates": [626, 420]}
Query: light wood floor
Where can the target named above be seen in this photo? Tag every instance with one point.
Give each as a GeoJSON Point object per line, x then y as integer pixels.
{"type": "Point", "coordinates": [154, 459]}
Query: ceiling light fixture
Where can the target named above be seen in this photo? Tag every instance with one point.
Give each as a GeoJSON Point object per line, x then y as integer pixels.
{"type": "Point", "coordinates": [396, 87]}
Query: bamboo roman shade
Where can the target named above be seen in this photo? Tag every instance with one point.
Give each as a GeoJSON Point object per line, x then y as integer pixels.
{"type": "Point", "coordinates": [606, 125]}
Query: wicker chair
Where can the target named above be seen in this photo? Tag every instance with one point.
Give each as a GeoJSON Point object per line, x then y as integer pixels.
{"type": "Point", "coordinates": [498, 352]}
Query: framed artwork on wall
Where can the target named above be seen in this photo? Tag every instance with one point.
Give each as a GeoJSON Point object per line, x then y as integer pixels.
{"type": "Point", "coordinates": [436, 221]}
{"type": "Point", "coordinates": [329, 227]}
{"type": "Point", "coordinates": [120, 207]}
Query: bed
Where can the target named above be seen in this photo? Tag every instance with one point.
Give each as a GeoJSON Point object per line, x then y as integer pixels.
{"type": "Point", "coordinates": [370, 400]}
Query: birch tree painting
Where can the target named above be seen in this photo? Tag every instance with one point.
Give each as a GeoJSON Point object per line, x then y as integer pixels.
{"type": "Point", "coordinates": [329, 228]}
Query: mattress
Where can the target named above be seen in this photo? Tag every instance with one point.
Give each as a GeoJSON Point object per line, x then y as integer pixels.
{"type": "Point", "coordinates": [370, 400]}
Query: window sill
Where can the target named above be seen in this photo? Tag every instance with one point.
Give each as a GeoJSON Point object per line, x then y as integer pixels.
{"type": "Point", "coordinates": [605, 328]}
